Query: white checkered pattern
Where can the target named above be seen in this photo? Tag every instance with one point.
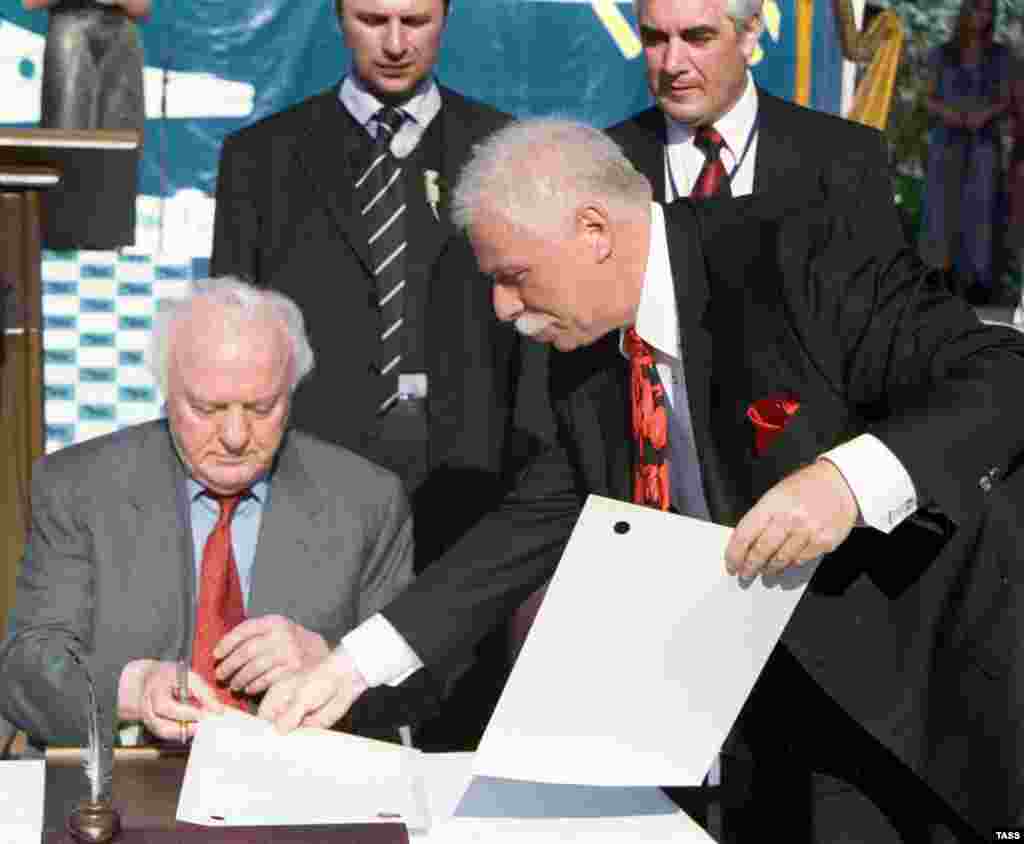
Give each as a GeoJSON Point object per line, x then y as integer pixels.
{"type": "Point", "coordinates": [98, 309]}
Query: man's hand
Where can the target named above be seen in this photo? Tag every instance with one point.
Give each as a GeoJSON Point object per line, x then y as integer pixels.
{"type": "Point", "coordinates": [262, 651]}
{"type": "Point", "coordinates": [316, 697]}
{"type": "Point", "coordinates": [147, 692]}
{"type": "Point", "coordinates": [802, 517]}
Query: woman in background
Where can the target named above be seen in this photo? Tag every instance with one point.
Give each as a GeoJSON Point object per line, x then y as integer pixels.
{"type": "Point", "coordinates": [968, 94]}
{"type": "Point", "coordinates": [1015, 181]}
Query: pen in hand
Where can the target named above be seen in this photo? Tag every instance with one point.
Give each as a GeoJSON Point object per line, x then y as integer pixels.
{"type": "Point", "coordinates": [183, 696]}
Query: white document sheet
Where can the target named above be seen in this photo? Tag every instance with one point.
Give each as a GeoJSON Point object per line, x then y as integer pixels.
{"type": "Point", "coordinates": [641, 656]}
{"type": "Point", "coordinates": [22, 789]}
{"type": "Point", "coordinates": [659, 829]}
{"type": "Point", "coordinates": [468, 809]}
{"type": "Point", "coordinates": [240, 772]}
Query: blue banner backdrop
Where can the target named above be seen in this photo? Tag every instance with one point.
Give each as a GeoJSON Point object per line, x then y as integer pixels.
{"type": "Point", "coordinates": [215, 65]}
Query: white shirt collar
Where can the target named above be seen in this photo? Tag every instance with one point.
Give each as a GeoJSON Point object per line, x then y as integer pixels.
{"type": "Point", "coordinates": [423, 106]}
{"type": "Point", "coordinates": [657, 320]}
{"type": "Point", "coordinates": [735, 125]}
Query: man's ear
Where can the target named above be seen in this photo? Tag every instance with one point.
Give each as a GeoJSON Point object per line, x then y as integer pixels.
{"type": "Point", "coordinates": [749, 37]}
{"type": "Point", "coordinates": [593, 224]}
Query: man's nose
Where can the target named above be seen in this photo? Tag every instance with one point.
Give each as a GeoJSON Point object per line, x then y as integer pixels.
{"type": "Point", "coordinates": [235, 430]}
{"type": "Point", "coordinates": [507, 304]}
{"type": "Point", "coordinates": [395, 39]}
{"type": "Point", "coordinates": [677, 58]}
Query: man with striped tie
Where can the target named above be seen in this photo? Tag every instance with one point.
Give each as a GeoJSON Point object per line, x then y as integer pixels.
{"type": "Point", "coordinates": [342, 203]}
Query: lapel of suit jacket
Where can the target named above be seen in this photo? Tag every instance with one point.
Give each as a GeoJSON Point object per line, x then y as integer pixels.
{"type": "Point", "coordinates": [454, 149]}
{"type": "Point", "coordinates": [596, 380]}
{"type": "Point", "coordinates": [283, 547]}
{"type": "Point", "coordinates": [326, 153]}
{"type": "Point", "coordinates": [778, 162]}
{"type": "Point", "coordinates": [163, 529]}
{"type": "Point", "coordinates": [647, 148]}
{"type": "Point", "coordinates": [693, 301]}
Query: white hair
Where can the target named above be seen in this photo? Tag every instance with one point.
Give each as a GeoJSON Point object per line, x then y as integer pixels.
{"type": "Point", "coordinates": [536, 172]}
{"type": "Point", "coordinates": [252, 304]}
{"type": "Point", "coordinates": [740, 12]}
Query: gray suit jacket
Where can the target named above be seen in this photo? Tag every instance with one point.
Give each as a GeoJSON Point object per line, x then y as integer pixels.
{"type": "Point", "coordinates": [110, 561]}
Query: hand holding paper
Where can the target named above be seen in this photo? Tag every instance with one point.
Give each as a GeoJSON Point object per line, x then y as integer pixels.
{"type": "Point", "coordinates": [315, 697]}
{"type": "Point", "coordinates": [803, 516]}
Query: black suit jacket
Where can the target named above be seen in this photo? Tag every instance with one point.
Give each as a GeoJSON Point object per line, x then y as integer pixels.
{"type": "Point", "coordinates": [285, 219]}
{"type": "Point", "coordinates": [868, 343]}
{"type": "Point", "coordinates": [802, 155]}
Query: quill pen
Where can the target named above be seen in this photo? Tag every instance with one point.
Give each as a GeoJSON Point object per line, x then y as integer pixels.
{"type": "Point", "coordinates": [99, 758]}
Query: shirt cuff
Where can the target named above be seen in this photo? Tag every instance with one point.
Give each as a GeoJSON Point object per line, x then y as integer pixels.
{"type": "Point", "coordinates": [380, 653]}
{"type": "Point", "coordinates": [884, 491]}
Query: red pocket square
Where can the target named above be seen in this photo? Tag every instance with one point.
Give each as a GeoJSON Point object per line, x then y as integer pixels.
{"type": "Point", "coordinates": [770, 416]}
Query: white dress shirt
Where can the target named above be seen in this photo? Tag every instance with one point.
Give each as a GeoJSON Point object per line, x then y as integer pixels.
{"type": "Point", "coordinates": [880, 484]}
{"type": "Point", "coordinates": [683, 160]}
{"type": "Point", "coordinates": [420, 109]}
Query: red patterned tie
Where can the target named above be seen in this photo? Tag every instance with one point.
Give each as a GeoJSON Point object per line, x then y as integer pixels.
{"type": "Point", "coordinates": [650, 426]}
{"type": "Point", "coordinates": [220, 606]}
{"type": "Point", "coordinates": [712, 180]}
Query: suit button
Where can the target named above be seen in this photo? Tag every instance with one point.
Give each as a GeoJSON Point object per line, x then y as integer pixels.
{"type": "Point", "coordinates": [985, 483]}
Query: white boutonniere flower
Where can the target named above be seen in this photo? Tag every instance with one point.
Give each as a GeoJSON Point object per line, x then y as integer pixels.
{"type": "Point", "coordinates": [434, 187]}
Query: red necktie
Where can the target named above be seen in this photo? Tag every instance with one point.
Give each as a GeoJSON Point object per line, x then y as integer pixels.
{"type": "Point", "coordinates": [712, 180]}
{"type": "Point", "coordinates": [650, 426]}
{"type": "Point", "coordinates": [651, 481]}
{"type": "Point", "coordinates": [220, 606]}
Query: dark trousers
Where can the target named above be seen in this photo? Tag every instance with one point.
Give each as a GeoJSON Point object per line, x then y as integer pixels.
{"type": "Point", "coordinates": [802, 770]}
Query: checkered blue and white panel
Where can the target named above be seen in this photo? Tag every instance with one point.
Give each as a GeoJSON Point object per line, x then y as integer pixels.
{"type": "Point", "coordinates": [98, 310]}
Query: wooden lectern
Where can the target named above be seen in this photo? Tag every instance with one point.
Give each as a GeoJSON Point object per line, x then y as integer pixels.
{"type": "Point", "coordinates": [62, 190]}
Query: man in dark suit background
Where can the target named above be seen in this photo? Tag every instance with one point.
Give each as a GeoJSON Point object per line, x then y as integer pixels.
{"type": "Point", "coordinates": [289, 216]}
{"type": "Point", "coordinates": [697, 54]}
{"type": "Point", "coordinates": [807, 409]}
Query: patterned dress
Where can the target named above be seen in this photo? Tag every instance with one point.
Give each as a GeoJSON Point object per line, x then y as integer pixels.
{"type": "Point", "coordinates": [963, 187]}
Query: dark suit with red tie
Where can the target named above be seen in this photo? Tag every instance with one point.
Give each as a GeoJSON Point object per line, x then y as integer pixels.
{"type": "Point", "coordinates": [869, 344]}
{"type": "Point", "coordinates": [803, 156]}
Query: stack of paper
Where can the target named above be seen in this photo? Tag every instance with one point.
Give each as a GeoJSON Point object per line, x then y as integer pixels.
{"type": "Point", "coordinates": [22, 786]}
{"type": "Point", "coordinates": [240, 772]}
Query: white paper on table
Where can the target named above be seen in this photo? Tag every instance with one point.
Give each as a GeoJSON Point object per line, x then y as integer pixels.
{"type": "Point", "coordinates": [677, 828]}
{"type": "Point", "coordinates": [446, 778]}
{"type": "Point", "coordinates": [22, 791]}
{"type": "Point", "coordinates": [492, 811]}
{"type": "Point", "coordinates": [641, 656]}
{"type": "Point", "coordinates": [241, 772]}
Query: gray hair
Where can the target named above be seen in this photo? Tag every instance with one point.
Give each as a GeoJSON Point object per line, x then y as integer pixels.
{"type": "Point", "coordinates": [252, 303]}
{"type": "Point", "coordinates": [536, 172]}
{"type": "Point", "coordinates": [740, 12]}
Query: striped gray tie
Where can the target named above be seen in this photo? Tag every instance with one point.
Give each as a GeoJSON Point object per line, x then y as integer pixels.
{"type": "Point", "coordinates": [380, 194]}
